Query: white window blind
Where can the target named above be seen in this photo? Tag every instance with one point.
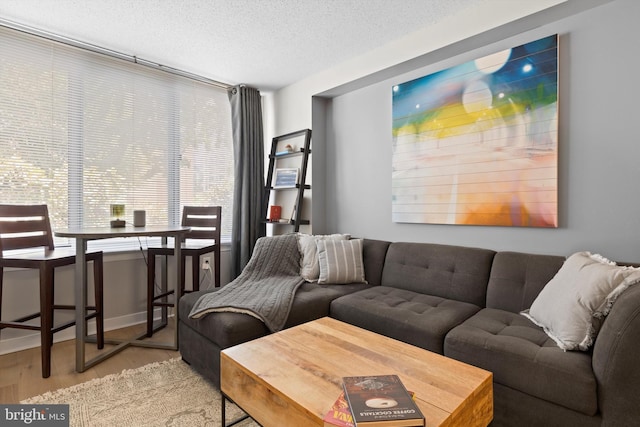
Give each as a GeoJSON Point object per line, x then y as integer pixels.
{"type": "Point", "coordinates": [80, 130]}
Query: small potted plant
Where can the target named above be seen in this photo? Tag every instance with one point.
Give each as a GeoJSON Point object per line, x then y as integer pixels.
{"type": "Point", "coordinates": [117, 212]}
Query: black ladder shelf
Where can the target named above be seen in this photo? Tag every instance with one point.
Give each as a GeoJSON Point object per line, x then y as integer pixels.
{"type": "Point", "coordinates": [278, 152]}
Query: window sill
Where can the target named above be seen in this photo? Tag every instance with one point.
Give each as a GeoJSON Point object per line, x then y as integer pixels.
{"type": "Point", "coordinates": [129, 254]}
{"type": "Point", "coordinates": [116, 255]}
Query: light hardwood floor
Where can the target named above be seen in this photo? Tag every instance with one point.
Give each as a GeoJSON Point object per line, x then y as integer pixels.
{"type": "Point", "coordinates": [21, 375]}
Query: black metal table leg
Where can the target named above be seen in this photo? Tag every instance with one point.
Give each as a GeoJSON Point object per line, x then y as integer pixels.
{"type": "Point", "coordinates": [223, 420]}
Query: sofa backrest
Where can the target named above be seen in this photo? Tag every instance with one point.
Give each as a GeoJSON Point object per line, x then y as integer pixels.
{"type": "Point", "coordinates": [373, 254]}
{"type": "Point", "coordinates": [615, 360]}
{"type": "Point", "coordinates": [517, 279]}
{"type": "Point", "coordinates": [452, 272]}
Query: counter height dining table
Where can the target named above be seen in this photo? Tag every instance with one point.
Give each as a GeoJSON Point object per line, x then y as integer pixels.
{"type": "Point", "coordinates": [82, 236]}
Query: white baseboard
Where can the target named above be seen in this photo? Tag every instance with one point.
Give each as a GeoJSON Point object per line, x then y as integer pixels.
{"type": "Point", "coordinates": [24, 342]}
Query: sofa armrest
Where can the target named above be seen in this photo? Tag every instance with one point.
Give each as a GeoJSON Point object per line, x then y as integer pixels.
{"type": "Point", "coordinates": [616, 355]}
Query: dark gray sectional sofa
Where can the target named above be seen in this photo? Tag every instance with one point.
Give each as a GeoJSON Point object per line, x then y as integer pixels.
{"type": "Point", "coordinates": [464, 303]}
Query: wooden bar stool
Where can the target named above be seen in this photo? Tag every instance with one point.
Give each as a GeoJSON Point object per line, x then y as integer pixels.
{"type": "Point", "coordinates": [28, 226]}
{"type": "Point", "coordinates": [203, 238]}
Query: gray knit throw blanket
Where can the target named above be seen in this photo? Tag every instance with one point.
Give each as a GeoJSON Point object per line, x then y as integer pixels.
{"type": "Point", "coordinates": [265, 288]}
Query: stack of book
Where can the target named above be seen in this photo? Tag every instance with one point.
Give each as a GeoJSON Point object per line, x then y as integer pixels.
{"type": "Point", "coordinates": [368, 401]}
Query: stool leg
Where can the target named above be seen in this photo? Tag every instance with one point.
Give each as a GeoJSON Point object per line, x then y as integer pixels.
{"type": "Point", "coordinates": [151, 275]}
{"type": "Point", "coordinates": [98, 282]}
{"type": "Point", "coordinates": [195, 268]}
{"type": "Point", "coordinates": [216, 258]}
{"type": "Point", "coordinates": [1, 277]}
{"type": "Point", "coordinates": [183, 273]}
{"type": "Point", "coordinates": [46, 319]}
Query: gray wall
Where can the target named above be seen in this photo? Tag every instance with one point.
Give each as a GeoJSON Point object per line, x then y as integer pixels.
{"type": "Point", "coordinates": [599, 147]}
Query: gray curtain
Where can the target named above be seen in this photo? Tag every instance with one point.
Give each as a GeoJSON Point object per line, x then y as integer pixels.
{"type": "Point", "coordinates": [249, 206]}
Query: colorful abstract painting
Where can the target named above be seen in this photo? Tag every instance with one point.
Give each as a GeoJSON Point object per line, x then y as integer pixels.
{"type": "Point", "coordinates": [478, 143]}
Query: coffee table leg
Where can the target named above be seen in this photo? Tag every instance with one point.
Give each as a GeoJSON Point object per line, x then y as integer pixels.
{"type": "Point", "coordinates": [223, 420]}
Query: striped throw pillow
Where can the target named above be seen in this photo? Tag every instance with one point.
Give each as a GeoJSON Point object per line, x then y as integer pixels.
{"type": "Point", "coordinates": [340, 261]}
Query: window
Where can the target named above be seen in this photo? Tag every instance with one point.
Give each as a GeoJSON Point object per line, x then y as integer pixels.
{"type": "Point", "coordinates": [80, 130]}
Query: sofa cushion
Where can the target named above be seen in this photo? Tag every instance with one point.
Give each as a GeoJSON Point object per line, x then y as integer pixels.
{"type": "Point", "coordinates": [513, 408]}
{"type": "Point", "coordinates": [572, 305]}
{"type": "Point", "coordinates": [374, 253]}
{"type": "Point", "coordinates": [227, 329]}
{"type": "Point", "coordinates": [307, 244]}
{"type": "Point", "coordinates": [517, 279]}
{"type": "Point", "coordinates": [415, 318]}
{"type": "Point", "coordinates": [522, 357]}
{"type": "Point", "coordinates": [340, 262]}
{"type": "Point", "coordinates": [312, 301]}
{"type": "Point", "coordinates": [450, 272]}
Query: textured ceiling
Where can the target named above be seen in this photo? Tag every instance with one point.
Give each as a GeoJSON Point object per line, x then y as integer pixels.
{"type": "Point", "coordinates": [264, 43]}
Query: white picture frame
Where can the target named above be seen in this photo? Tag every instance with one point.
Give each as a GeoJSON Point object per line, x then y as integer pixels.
{"type": "Point", "coordinates": [286, 178]}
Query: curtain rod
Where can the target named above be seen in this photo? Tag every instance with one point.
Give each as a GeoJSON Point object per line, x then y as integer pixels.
{"type": "Point", "coordinates": [108, 52]}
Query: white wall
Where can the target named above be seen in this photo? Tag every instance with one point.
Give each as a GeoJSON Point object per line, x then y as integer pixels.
{"type": "Point", "coordinates": [599, 146]}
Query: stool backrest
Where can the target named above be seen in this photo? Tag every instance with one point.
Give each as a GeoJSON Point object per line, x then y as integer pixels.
{"type": "Point", "coordinates": [24, 226]}
{"type": "Point", "coordinates": [204, 222]}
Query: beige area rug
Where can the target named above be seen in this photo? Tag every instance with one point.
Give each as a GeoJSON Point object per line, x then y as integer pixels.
{"type": "Point", "coordinates": [167, 393]}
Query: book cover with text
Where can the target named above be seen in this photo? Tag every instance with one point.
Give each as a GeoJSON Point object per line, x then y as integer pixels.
{"type": "Point", "coordinates": [339, 414]}
{"type": "Point", "coordinates": [381, 400]}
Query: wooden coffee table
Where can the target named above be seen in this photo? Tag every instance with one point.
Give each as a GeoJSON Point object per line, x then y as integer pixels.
{"type": "Point", "coordinates": [291, 378]}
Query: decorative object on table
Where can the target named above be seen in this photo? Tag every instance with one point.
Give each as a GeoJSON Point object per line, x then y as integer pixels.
{"type": "Point", "coordinates": [275, 213]}
{"type": "Point", "coordinates": [477, 143]}
{"type": "Point", "coordinates": [139, 218]}
{"type": "Point", "coordinates": [288, 149]}
{"type": "Point", "coordinates": [286, 178]}
{"type": "Point", "coordinates": [117, 212]}
{"type": "Point", "coordinates": [381, 400]}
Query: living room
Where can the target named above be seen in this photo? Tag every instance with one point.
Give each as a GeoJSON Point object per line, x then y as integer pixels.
{"type": "Point", "coordinates": [348, 107]}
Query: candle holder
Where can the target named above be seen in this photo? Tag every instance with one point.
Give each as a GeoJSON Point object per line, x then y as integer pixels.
{"type": "Point", "coordinates": [117, 212]}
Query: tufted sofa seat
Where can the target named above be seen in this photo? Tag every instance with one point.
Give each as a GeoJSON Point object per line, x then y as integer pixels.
{"type": "Point", "coordinates": [504, 342]}
{"type": "Point", "coordinates": [522, 357]}
{"type": "Point", "coordinates": [418, 319]}
{"type": "Point", "coordinates": [425, 291]}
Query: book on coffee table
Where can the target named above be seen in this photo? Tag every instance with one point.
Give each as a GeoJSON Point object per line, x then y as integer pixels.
{"type": "Point", "coordinates": [339, 415]}
{"type": "Point", "coordinates": [381, 400]}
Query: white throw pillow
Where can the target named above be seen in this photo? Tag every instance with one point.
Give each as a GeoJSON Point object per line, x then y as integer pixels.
{"type": "Point", "coordinates": [340, 261]}
{"type": "Point", "coordinates": [307, 243]}
{"type": "Point", "coordinates": [570, 308]}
